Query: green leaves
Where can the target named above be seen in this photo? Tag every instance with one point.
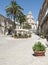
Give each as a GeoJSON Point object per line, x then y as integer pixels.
{"type": "Point", "coordinates": [38, 47]}
{"type": "Point", "coordinates": [21, 18]}
{"type": "Point", "coordinates": [14, 11]}
{"type": "Point", "coordinates": [27, 26]}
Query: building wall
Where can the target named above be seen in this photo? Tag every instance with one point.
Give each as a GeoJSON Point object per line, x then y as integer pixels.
{"type": "Point", "coordinates": [4, 24]}
{"type": "Point", "coordinates": [44, 26]}
{"type": "Point", "coordinates": [43, 17]}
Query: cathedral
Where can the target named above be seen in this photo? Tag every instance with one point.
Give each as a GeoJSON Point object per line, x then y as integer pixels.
{"type": "Point", "coordinates": [31, 21]}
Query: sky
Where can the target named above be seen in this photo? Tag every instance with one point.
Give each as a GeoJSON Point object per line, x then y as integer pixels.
{"type": "Point", "coordinates": [28, 5]}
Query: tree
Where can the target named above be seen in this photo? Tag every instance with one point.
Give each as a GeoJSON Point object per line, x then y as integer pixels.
{"type": "Point", "coordinates": [27, 26]}
{"type": "Point", "coordinates": [12, 10]}
{"type": "Point", "coordinates": [22, 18]}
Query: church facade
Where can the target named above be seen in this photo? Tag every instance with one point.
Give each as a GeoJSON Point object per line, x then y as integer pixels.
{"type": "Point", "coordinates": [31, 21]}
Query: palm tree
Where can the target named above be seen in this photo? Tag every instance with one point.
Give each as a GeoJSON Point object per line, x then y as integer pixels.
{"type": "Point", "coordinates": [13, 10]}
{"type": "Point", "coordinates": [22, 19]}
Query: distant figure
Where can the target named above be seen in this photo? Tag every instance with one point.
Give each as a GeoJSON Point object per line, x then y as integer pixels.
{"type": "Point", "coordinates": [9, 31]}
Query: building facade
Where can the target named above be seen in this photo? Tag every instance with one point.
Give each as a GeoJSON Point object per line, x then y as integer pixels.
{"type": "Point", "coordinates": [31, 21]}
{"type": "Point", "coordinates": [5, 23]}
{"type": "Point", "coordinates": [43, 18]}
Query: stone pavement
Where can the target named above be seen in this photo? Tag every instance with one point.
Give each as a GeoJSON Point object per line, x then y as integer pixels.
{"type": "Point", "coordinates": [19, 51]}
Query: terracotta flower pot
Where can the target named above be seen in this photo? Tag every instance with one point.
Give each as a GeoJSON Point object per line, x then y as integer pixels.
{"type": "Point", "coordinates": [39, 53]}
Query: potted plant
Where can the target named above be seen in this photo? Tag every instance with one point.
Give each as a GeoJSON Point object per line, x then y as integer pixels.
{"type": "Point", "coordinates": [39, 49]}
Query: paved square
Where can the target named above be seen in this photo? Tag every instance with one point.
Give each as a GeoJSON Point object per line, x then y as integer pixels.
{"type": "Point", "coordinates": [19, 51]}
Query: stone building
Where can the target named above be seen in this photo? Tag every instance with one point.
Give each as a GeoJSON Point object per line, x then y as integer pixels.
{"type": "Point", "coordinates": [31, 21]}
{"type": "Point", "coordinates": [43, 18]}
{"type": "Point", "coordinates": [5, 23]}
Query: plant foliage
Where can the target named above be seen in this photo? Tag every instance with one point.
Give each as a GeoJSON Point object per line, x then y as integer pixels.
{"type": "Point", "coordinates": [38, 47]}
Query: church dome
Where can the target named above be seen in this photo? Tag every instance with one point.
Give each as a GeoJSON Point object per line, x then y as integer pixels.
{"type": "Point", "coordinates": [30, 15]}
{"type": "Point", "coordinates": [30, 18]}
